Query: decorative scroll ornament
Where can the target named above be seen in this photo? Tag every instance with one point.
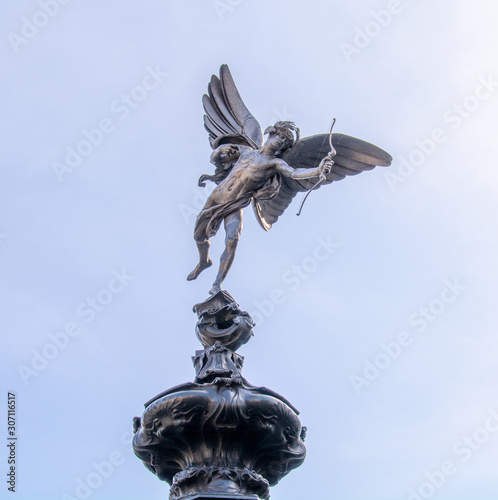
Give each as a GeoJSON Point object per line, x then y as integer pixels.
{"type": "Point", "coordinates": [221, 320]}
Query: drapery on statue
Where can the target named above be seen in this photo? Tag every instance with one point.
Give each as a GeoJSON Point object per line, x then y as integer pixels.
{"type": "Point", "coordinates": [267, 175]}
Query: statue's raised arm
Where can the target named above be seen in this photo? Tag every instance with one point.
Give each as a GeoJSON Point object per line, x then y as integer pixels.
{"type": "Point", "coordinates": [269, 175]}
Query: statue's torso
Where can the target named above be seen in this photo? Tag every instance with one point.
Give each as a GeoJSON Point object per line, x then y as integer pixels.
{"type": "Point", "coordinates": [250, 173]}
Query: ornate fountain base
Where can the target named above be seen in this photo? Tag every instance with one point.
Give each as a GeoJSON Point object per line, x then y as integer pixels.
{"type": "Point", "coordinates": [219, 437]}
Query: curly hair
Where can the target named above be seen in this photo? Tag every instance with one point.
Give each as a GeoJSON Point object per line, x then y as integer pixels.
{"type": "Point", "coordinates": [287, 129]}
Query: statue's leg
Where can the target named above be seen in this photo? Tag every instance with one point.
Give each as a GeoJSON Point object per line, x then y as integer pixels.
{"type": "Point", "coordinates": [203, 245]}
{"type": "Point", "coordinates": [233, 228]}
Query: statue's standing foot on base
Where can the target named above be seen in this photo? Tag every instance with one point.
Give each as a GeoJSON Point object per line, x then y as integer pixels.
{"type": "Point", "coordinates": [215, 289]}
{"type": "Point", "coordinates": [199, 268]}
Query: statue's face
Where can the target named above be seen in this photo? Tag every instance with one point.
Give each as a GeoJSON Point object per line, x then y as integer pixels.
{"type": "Point", "coordinates": [276, 142]}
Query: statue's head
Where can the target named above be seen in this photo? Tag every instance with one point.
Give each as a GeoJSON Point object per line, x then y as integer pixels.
{"type": "Point", "coordinates": [283, 133]}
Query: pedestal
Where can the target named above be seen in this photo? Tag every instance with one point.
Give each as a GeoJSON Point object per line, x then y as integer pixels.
{"type": "Point", "coordinates": [219, 436]}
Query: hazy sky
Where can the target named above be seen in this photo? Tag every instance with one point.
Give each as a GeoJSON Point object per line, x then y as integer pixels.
{"type": "Point", "coordinates": [388, 346]}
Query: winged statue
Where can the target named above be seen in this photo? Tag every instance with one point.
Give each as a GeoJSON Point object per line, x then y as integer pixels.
{"type": "Point", "coordinates": [267, 174]}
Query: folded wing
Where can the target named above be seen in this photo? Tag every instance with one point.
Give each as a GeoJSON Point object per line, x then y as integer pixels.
{"type": "Point", "coordinates": [227, 118]}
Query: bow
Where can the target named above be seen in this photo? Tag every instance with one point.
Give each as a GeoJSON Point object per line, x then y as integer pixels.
{"type": "Point", "coordinates": [323, 176]}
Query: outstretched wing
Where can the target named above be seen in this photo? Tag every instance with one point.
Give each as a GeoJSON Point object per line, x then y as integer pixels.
{"type": "Point", "coordinates": [353, 157]}
{"type": "Point", "coordinates": [227, 118]}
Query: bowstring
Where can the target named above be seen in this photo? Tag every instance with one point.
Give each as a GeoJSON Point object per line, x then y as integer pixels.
{"type": "Point", "coordinates": [305, 195]}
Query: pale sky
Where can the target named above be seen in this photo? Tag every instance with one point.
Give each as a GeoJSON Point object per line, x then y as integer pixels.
{"type": "Point", "coordinates": [387, 346]}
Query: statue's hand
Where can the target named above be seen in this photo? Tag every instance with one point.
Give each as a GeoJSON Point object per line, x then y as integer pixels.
{"type": "Point", "coordinates": [325, 166]}
{"type": "Point", "coordinates": [201, 180]}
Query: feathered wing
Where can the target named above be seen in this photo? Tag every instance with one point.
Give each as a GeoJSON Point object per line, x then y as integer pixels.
{"type": "Point", "coordinates": [353, 157]}
{"type": "Point", "coordinates": [227, 118]}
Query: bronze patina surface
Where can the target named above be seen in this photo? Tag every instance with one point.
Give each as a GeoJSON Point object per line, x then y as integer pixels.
{"type": "Point", "coordinates": [219, 437]}
{"type": "Point", "coordinates": [268, 174]}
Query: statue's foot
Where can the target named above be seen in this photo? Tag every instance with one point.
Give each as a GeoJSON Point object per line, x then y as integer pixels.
{"type": "Point", "coordinates": [215, 289]}
{"type": "Point", "coordinates": [198, 269]}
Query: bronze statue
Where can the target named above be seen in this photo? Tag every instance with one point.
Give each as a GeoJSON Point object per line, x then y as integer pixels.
{"type": "Point", "coordinates": [220, 437]}
{"type": "Point", "coordinates": [267, 175]}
